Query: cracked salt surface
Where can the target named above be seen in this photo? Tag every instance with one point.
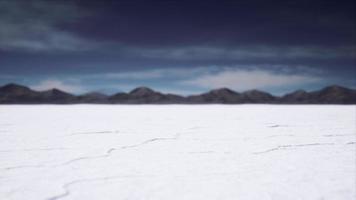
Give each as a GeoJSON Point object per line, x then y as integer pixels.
{"type": "Point", "coordinates": [177, 152]}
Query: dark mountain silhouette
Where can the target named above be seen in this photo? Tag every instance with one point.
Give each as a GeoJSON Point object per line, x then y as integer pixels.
{"type": "Point", "coordinates": [15, 89]}
{"type": "Point", "coordinates": [330, 95]}
{"type": "Point", "coordinates": [256, 96]}
{"type": "Point", "coordinates": [222, 95]}
{"type": "Point", "coordinates": [93, 97]}
{"type": "Point", "coordinates": [56, 96]}
{"type": "Point", "coordinates": [227, 96]}
{"type": "Point", "coordinates": [299, 96]}
{"type": "Point", "coordinates": [144, 95]}
{"type": "Point", "coordinates": [18, 94]}
{"type": "Point", "coordinates": [335, 94]}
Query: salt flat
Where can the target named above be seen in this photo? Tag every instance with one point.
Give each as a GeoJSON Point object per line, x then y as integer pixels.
{"type": "Point", "coordinates": [178, 152]}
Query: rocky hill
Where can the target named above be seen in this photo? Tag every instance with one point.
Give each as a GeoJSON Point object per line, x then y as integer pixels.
{"type": "Point", "coordinates": [18, 94]}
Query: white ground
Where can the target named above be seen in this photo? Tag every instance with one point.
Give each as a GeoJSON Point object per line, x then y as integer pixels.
{"type": "Point", "coordinates": [171, 152]}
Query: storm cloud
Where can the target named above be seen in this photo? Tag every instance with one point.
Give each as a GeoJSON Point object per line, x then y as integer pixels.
{"type": "Point", "coordinates": [178, 45]}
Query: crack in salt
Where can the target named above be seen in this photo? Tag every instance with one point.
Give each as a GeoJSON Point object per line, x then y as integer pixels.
{"type": "Point", "coordinates": [22, 166]}
{"type": "Point", "coordinates": [338, 135]}
{"type": "Point", "coordinates": [94, 133]}
{"type": "Point", "coordinates": [279, 147]}
{"type": "Point", "coordinates": [111, 150]}
{"type": "Point", "coordinates": [277, 126]}
{"type": "Point", "coordinates": [107, 153]}
{"type": "Point", "coordinates": [145, 142]}
{"type": "Point", "coordinates": [66, 187]}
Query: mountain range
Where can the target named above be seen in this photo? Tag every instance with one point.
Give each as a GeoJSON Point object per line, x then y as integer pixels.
{"type": "Point", "coordinates": [18, 94]}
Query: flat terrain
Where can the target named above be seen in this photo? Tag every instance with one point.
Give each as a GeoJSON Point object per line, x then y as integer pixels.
{"type": "Point", "coordinates": [182, 152]}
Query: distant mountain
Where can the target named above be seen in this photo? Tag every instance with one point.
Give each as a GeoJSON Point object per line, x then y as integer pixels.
{"type": "Point", "coordinates": [256, 96]}
{"type": "Point", "coordinates": [144, 95]}
{"type": "Point", "coordinates": [334, 95]}
{"type": "Point", "coordinates": [93, 97]}
{"type": "Point", "coordinates": [18, 94]}
{"type": "Point", "coordinates": [56, 96]}
{"type": "Point", "coordinates": [299, 96]}
{"type": "Point", "coordinates": [329, 95]}
{"type": "Point", "coordinates": [227, 96]}
{"type": "Point", "coordinates": [222, 95]}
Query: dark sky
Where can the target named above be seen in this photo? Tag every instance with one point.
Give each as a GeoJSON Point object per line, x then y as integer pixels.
{"type": "Point", "coordinates": [178, 46]}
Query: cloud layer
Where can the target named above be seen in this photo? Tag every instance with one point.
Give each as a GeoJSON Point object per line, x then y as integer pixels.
{"type": "Point", "coordinates": [53, 83]}
{"type": "Point", "coordinates": [33, 26]}
{"type": "Point", "coordinates": [271, 78]}
{"type": "Point", "coordinates": [245, 80]}
{"type": "Point", "coordinates": [245, 52]}
{"type": "Point", "coordinates": [193, 79]}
